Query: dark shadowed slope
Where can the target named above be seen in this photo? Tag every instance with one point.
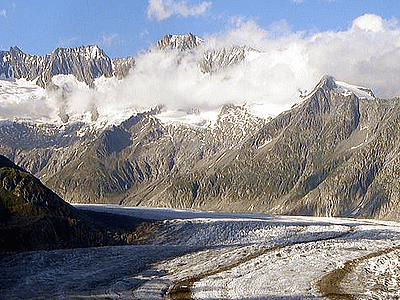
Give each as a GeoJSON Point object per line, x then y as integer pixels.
{"type": "Point", "coordinates": [33, 217]}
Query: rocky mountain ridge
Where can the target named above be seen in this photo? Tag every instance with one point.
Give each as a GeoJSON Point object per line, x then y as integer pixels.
{"type": "Point", "coordinates": [86, 63]}
{"type": "Point", "coordinates": [215, 60]}
{"type": "Point", "coordinates": [211, 60]}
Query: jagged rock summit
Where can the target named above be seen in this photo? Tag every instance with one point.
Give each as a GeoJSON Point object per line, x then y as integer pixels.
{"type": "Point", "coordinates": [180, 42]}
{"type": "Point", "coordinates": [329, 83]}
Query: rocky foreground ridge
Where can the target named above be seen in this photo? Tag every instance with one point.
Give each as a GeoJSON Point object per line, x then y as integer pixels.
{"type": "Point", "coordinates": [32, 217]}
{"type": "Point", "coordinates": [334, 154]}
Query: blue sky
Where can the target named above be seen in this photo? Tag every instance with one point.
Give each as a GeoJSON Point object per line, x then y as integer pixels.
{"type": "Point", "coordinates": [123, 27]}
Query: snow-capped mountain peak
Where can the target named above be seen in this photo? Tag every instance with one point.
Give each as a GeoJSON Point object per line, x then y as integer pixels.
{"type": "Point", "coordinates": [89, 52]}
{"type": "Point", "coordinates": [348, 89]}
{"type": "Point", "coordinates": [342, 88]}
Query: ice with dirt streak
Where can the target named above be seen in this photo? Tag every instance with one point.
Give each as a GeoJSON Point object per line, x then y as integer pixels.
{"type": "Point", "coordinates": [203, 255]}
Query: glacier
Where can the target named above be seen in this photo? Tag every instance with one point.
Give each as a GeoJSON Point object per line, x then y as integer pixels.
{"type": "Point", "coordinates": [205, 255]}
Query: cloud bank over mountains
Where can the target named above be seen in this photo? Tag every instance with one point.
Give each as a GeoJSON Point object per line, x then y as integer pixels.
{"type": "Point", "coordinates": [164, 9]}
{"type": "Point", "coordinates": [367, 54]}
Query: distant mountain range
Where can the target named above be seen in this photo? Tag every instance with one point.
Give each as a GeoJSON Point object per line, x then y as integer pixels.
{"type": "Point", "coordinates": [86, 63]}
{"type": "Point", "coordinates": [333, 154]}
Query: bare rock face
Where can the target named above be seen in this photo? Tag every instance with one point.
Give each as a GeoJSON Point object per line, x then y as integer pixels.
{"type": "Point", "coordinates": [5, 66]}
{"type": "Point", "coordinates": [215, 60]}
{"type": "Point", "coordinates": [122, 66]}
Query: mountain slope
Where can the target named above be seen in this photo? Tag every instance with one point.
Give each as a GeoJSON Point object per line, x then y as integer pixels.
{"type": "Point", "coordinates": [268, 165]}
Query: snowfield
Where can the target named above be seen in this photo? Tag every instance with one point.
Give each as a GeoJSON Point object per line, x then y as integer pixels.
{"type": "Point", "coordinates": [198, 255]}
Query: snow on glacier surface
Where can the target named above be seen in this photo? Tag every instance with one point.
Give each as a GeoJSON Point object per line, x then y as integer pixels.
{"type": "Point", "coordinates": [216, 256]}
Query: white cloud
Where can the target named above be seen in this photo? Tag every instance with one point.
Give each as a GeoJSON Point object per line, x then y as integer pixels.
{"type": "Point", "coordinates": [369, 23]}
{"type": "Point", "coordinates": [367, 54]}
{"type": "Point", "coordinates": [108, 39]}
{"type": "Point", "coordinates": [3, 13]}
{"type": "Point", "coordinates": [164, 9]}
{"type": "Point", "coordinates": [68, 42]}
{"type": "Point", "coordinates": [301, 1]}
